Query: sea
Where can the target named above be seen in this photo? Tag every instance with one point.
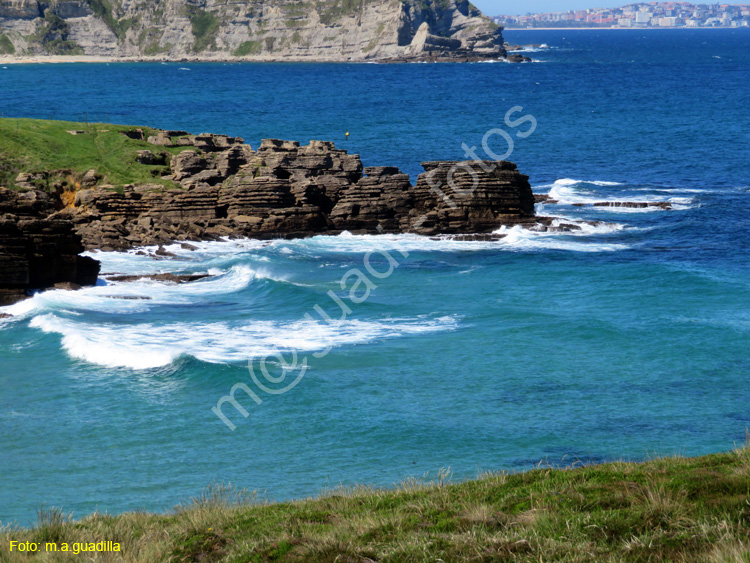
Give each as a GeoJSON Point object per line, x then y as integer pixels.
{"type": "Point", "coordinates": [371, 359]}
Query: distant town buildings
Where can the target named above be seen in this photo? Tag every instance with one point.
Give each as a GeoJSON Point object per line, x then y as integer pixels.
{"type": "Point", "coordinates": [653, 14]}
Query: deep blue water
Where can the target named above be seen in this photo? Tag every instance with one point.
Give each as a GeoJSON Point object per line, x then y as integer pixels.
{"type": "Point", "coordinates": [622, 342]}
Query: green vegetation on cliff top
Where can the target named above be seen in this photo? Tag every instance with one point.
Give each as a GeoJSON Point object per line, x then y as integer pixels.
{"type": "Point", "coordinates": [6, 46]}
{"type": "Point", "coordinates": [31, 145]}
{"type": "Point", "coordinates": [104, 10]}
{"type": "Point", "coordinates": [666, 510]}
{"type": "Point", "coordinates": [204, 25]}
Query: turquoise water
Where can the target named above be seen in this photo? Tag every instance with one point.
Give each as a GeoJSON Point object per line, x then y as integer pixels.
{"type": "Point", "coordinates": [623, 341]}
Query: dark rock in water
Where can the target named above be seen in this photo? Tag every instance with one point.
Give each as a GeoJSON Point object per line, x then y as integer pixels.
{"type": "Point", "coordinates": [5, 316]}
{"type": "Point", "coordinates": [38, 248]}
{"type": "Point", "coordinates": [634, 204]}
{"type": "Point", "coordinates": [491, 237]}
{"type": "Point", "coordinates": [162, 252]}
{"type": "Point", "coordinates": [172, 278]}
{"type": "Point", "coordinates": [515, 58]}
{"type": "Point", "coordinates": [623, 204]}
{"type": "Point", "coordinates": [544, 198]}
{"type": "Point", "coordinates": [67, 286]}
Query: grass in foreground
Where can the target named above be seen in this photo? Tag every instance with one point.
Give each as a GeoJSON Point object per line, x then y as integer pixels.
{"type": "Point", "coordinates": [34, 145]}
{"type": "Point", "coordinates": [672, 509]}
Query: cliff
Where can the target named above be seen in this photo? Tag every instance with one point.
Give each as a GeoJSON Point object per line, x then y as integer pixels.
{"type": "Point", "coordinates": [151, 187]}
{"type": "Point", "coordinates": [319, 30]}
{"type": "Point", "coordinates": [225, 188]}
{"type": "Point", "coordinates": [37, 251]}
{"type": "Point", "coordinates": [156, 187]}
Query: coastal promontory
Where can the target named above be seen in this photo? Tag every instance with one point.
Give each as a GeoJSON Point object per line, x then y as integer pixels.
{"type": "Point", "coordinates": [69, 186]}
{"type": "Point", "coordinates": [321, 30]}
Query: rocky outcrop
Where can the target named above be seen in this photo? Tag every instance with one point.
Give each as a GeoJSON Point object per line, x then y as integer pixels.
{"type": "Point", "coordinates": [286, 190]}
{"type": "Point", "coordinates": [221, 187]}
{"type": "Point", "coordinates": [322, 30]}
{"type": "Point", "coordinates": [37, 249]}
{"type": "Point", "coordinates": [471, 197]}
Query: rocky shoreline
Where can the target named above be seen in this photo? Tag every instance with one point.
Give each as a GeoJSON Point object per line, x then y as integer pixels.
{"type": "Point", "coordinates": [225, 189]}
{"type": "Point", "coordinates": [37, 249]}
{"type": "Point", "coordinates": [216, 187]}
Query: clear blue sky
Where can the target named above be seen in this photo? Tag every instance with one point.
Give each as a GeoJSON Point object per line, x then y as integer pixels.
{"type": "Point", "coordinates": [517, 7]}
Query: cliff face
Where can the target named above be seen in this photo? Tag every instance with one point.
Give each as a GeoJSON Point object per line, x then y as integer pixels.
{"type": "Point", "coordinates": [320, 30]}
{"type": "Point", "coordinates": [287, 190]}
{"type": "Point", "coordinates": [217, 186]}
{"type": "Point", "coordinates": [38, 251]}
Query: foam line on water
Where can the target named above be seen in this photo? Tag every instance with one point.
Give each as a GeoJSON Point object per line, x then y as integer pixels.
{"type": "Point", "coordinates": [518, 238]}
{"type": "Point", "coordinates": [566, 182]}
{"type": "Point", "coordinates": [139, 296]}
{"type": "Point", "coordinates": [568, 191]}
{"type": "Point", "coordinates": [145, 346]}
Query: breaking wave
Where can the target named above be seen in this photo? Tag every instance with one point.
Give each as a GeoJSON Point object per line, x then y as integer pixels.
{"type": "Point", "coordinates": [568, 191]}
{"type": "Point", "coordinates": [146, 345]}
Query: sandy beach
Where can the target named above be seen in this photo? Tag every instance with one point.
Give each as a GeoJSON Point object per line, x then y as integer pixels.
{"type": "Point", "coordinates": [37, 59]}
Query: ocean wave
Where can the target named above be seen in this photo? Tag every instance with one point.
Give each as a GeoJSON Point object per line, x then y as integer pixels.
{"type": "Point", "coordinates": [567, 182]}
{"type": "Point", "coordinates": [144, 260]}
{"type": "Point", "coordinates": [226, 262]}
{"type": "Point", "coordinates": [519, 238]}
{"type": "Point", "coordinates": [148, 346]}
{"type": "Point", "coordinates": [568, 191]}
{"type": "Point", "coordinates": [540, 49]}
{"type": "Point", "coordinates": [139, 296]}
{"type": "Point", "coordinates": [516, 238]}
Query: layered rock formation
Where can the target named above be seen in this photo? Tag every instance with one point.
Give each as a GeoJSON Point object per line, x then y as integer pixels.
{"type": "Point", "coordinates": [287, 190]}
{"type": "Point", "coordinates": [38, 251]}
{"type": "Point", "coordinates": [321, 30]}
{"type": "Point", "coordinates": [221, 187]}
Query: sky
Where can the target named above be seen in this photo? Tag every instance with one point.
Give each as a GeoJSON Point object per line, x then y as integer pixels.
{"type": "Point", "coordinates": [516, 7]}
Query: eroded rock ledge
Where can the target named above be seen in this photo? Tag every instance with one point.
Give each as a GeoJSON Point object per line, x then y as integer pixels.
{"type": "Point", "coordinates": [286, 190]}
{"type": "Point", "coordinates": [38, 251]}
{"type": "Point", "coordinates": [224, 188]}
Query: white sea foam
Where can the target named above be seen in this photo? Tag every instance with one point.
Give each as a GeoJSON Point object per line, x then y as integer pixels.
{"type": "Point", "coordinates": [568, 191]}
{"type": "Point", "coordinates": [568, 182]}
{"type": "Point", "coordinates": [139, 296]}
{"type": "Point", "coordinates": [227, 263]}
{"type": "Point", "coordinates": [518, 238]}
{"type": "Point", "coordinates": [144, 346]}
{"type": "Point", "coordinates": [543, 47]}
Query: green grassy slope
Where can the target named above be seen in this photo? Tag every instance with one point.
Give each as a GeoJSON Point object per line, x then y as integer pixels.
{"type": "Point", "coordinates": [30, 145]}
{"type": "Point", "coordinates": [672, 509]}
